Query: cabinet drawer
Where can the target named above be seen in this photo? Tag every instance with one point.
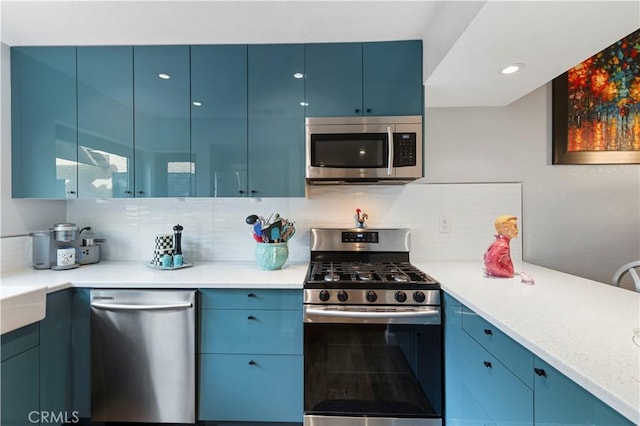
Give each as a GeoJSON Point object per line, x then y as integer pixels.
{"type": "Point", "coordinates": [500, 393]}
{"type": "Point", "coordinates": [20, 340]}
{"type": "Point", "coordinates": [250, 299]}
{"type": "Point", "coordinates": [251, 331]}
{"type": "Point", "coordinates": [265, 388]}
{"type": "Point", "coordinates": [515, 357]}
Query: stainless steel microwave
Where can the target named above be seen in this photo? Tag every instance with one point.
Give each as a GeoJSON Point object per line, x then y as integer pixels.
{"type": "Point", "coordinates": [363, 149]}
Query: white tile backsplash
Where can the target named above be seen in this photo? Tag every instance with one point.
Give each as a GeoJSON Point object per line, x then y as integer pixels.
{"type": "Point", "coordinates": [215, 228]}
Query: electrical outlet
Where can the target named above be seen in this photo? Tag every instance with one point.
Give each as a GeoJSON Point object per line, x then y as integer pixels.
{"type": "Point", "coordinates": [444, 224]}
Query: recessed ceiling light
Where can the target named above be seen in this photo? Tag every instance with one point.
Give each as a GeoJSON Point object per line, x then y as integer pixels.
{"type": "Point", "coordinates": [197, 103]}
{"type": "Point", "coordinates": [298, 75]}
{"type": "Point", "coordinates": [164, 76]}
{"type": "Point", "coordinates": [512, 68]}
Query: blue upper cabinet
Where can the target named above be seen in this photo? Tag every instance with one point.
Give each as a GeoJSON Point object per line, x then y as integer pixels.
{"type": "Point", "coordinates": [276, 120]}
{"type": "Point", "coordinates": [105, 122]}
{"type": "Point", "coordinates": [333, 79]}
{"type": "Point", "coordinates": [392, 78]}
{"type": "Point", "coordinates": [354, 79]}
{"type": "Point", "coordinates": [219, 120]}
{"type": "Point", "coordinates": [162, 121]}
{"type": "Point", "coordinates": [43, 122]}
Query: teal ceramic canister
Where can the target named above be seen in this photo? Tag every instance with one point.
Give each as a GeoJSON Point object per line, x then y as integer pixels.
{"type": "Point", "coordinates": [271, 256]}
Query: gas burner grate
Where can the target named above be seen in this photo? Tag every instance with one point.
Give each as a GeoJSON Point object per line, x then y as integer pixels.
{"type": "Point", "coordinates": [388, 272]}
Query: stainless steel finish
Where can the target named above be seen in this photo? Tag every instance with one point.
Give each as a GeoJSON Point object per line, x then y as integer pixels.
{"type": "Point", "coordinates": [359, 297]}
{"type": "Point", "coordinates": [368, 421]}
{"type": "Point", "coordinates": [358, 314]}
{"type": "Point", "coordinates": [65, 232]}
{"type": "Point", "coordinates": [348, 125]}
{"type": "Point", "coordinates": [41, 241]}
{"type": "Point", "coordinates": [143, 356]}
{"type": "Point", "coordinates": [391, 240]}
{"type": "Point", "coordinates": [390, 159]}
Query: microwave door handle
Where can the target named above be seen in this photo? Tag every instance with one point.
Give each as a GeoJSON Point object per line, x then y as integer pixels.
{"type": "Point", "coordinates": [390, 159]}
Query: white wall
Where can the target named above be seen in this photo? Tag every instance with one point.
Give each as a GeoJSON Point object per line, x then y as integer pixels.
{"type": "Point", "coordinates": [580, 219]}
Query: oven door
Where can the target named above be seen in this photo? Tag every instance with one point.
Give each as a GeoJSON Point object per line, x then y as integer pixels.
{"type": "Point", "coordinates": [372, 366]}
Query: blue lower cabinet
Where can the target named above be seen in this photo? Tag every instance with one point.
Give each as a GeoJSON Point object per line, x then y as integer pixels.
{"type": "Point", "coordinates": [55, 357]}
{"type": "Point", "coordinates": [265, 388]}
{"type": "Point", "coordinates": [453, 351]}
{"type": "Point", "coordinates": [559, 401]}
{"type": "Point", "coordinates": [81, 352]}
{"type": "Point", "coordinates": [506, 400]}
{"type": "Point", "coordinates": [472, 412]}
{"type": "Point", "coordinates": [252, 331]}
{"type": "Point", "coordinates": [19, 373]}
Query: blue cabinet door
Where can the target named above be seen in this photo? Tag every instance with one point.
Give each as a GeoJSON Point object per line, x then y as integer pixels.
{"type": "Point", "coordinates": [81, 351]}
{"type": "Point", "coordinates": [276, 120]}
{"type": "Point", "coordinates": [259, 388]}
{"type": "Point", "coordinates": [242, 331]}
{"type": "Point", "coordinates": [504, 397]}
{"type": "Point", "coordinates": [333, 79]}
{"type": "Point", "coordinates": [392, 78]}
{"type": "Point", "coordinates": [105, 122]}
{"type": "Point", "coordinates": [19, 389]}
{"type": "Point", "coordinates": [43, 122]}
{"type": "Point", "coordinates": [453, 350]}
{"type": "Point", "coordinates": [559, 401]}
{"type": "Point", "coordinates": [219, 120]}
{"type": "Point", "coordinates": [55, 355]}
{"type": "Point", "coordinates": [162, 121]}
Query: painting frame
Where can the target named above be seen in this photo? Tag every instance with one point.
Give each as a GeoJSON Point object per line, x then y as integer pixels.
{"type": "Point", "coordinates": [561, 154]}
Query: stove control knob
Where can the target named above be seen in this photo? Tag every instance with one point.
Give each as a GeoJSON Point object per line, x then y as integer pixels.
{"type": "Point", "coordinates": [372, 296]}
{"type": "Point", "coordinates": [401, 296]}
{"type": "Point", "coordinates": [324, 295]}
{"type": "Point", "coordinates": [419, 296]}
{"type": "Point", "coordinates": [342, 296]}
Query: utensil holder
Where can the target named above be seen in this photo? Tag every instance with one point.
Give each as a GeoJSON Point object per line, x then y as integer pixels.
{"type": "Point", "coordinates": [271, 256]}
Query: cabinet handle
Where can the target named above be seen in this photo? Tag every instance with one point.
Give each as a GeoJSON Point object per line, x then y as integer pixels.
{"type": "Point", "coordinates": [241, 192]}
{"type": "Point", "coordinates": [253, 191]}
{"type": "Point", "coordinates": [540, 372]}
{"type": "Point", "coordinates": [487, 364]}
{"type": "Point", "coordinates": [251, 317]}
{"type": "Point", "coordinates": [368, 110]}
{"type": "Point", "coordinates": [252, 362]}
{"type": "Point", "coordinates": [128, 192]}
{"type": "Point", "coordinates": [251, 295]}
{"type": "Point", "coordinates": [488, 331]}
{"type": "Point", "coordinates": [357, 110]}
{"type": "Point", "coordinates": [71, 192]}
{"type": "Point", "coordinates": [140, 192]}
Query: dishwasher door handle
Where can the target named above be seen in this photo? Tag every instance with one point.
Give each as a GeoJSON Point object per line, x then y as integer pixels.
{"type": "Point", "coordinates": [121, 307]}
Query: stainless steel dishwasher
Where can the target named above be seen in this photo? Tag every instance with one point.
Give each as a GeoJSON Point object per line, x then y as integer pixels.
{"type": "Point", "coordinates": [143, 356]}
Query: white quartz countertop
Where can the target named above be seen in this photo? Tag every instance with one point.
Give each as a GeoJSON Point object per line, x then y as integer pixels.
{"type": "Point", "coordinates": [581, 327]}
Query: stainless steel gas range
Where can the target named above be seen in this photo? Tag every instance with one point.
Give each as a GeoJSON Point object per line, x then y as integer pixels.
{"type": "Point", "coordinates": [372, 333]}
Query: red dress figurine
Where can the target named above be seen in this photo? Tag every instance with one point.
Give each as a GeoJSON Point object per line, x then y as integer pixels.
{"type": "Point", "coordinates": [497, 259]}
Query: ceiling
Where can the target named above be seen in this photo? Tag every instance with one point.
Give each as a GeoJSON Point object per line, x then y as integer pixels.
{"type": "Point", "coordinates": [465, 43]}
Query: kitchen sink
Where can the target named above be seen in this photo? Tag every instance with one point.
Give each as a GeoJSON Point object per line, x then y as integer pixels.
{"type": "Point", "coordinates": [20, 307]}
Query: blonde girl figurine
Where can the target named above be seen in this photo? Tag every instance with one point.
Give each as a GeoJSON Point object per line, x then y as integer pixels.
{"type": "Point", "coordinates": [497, 259]}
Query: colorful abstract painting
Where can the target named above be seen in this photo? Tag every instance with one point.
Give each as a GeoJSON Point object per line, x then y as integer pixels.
{"type": "Point", "coordinates": [601, 102]}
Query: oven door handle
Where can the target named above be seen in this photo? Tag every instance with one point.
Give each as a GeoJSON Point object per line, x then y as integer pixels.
{"type": "Point", "coordinates": [372, 314]}
{"type": "Point", "coordinates": [390, 159]}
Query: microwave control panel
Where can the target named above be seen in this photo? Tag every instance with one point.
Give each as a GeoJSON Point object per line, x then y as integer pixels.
{"type": "Point", "coordinates": [404, 149]}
